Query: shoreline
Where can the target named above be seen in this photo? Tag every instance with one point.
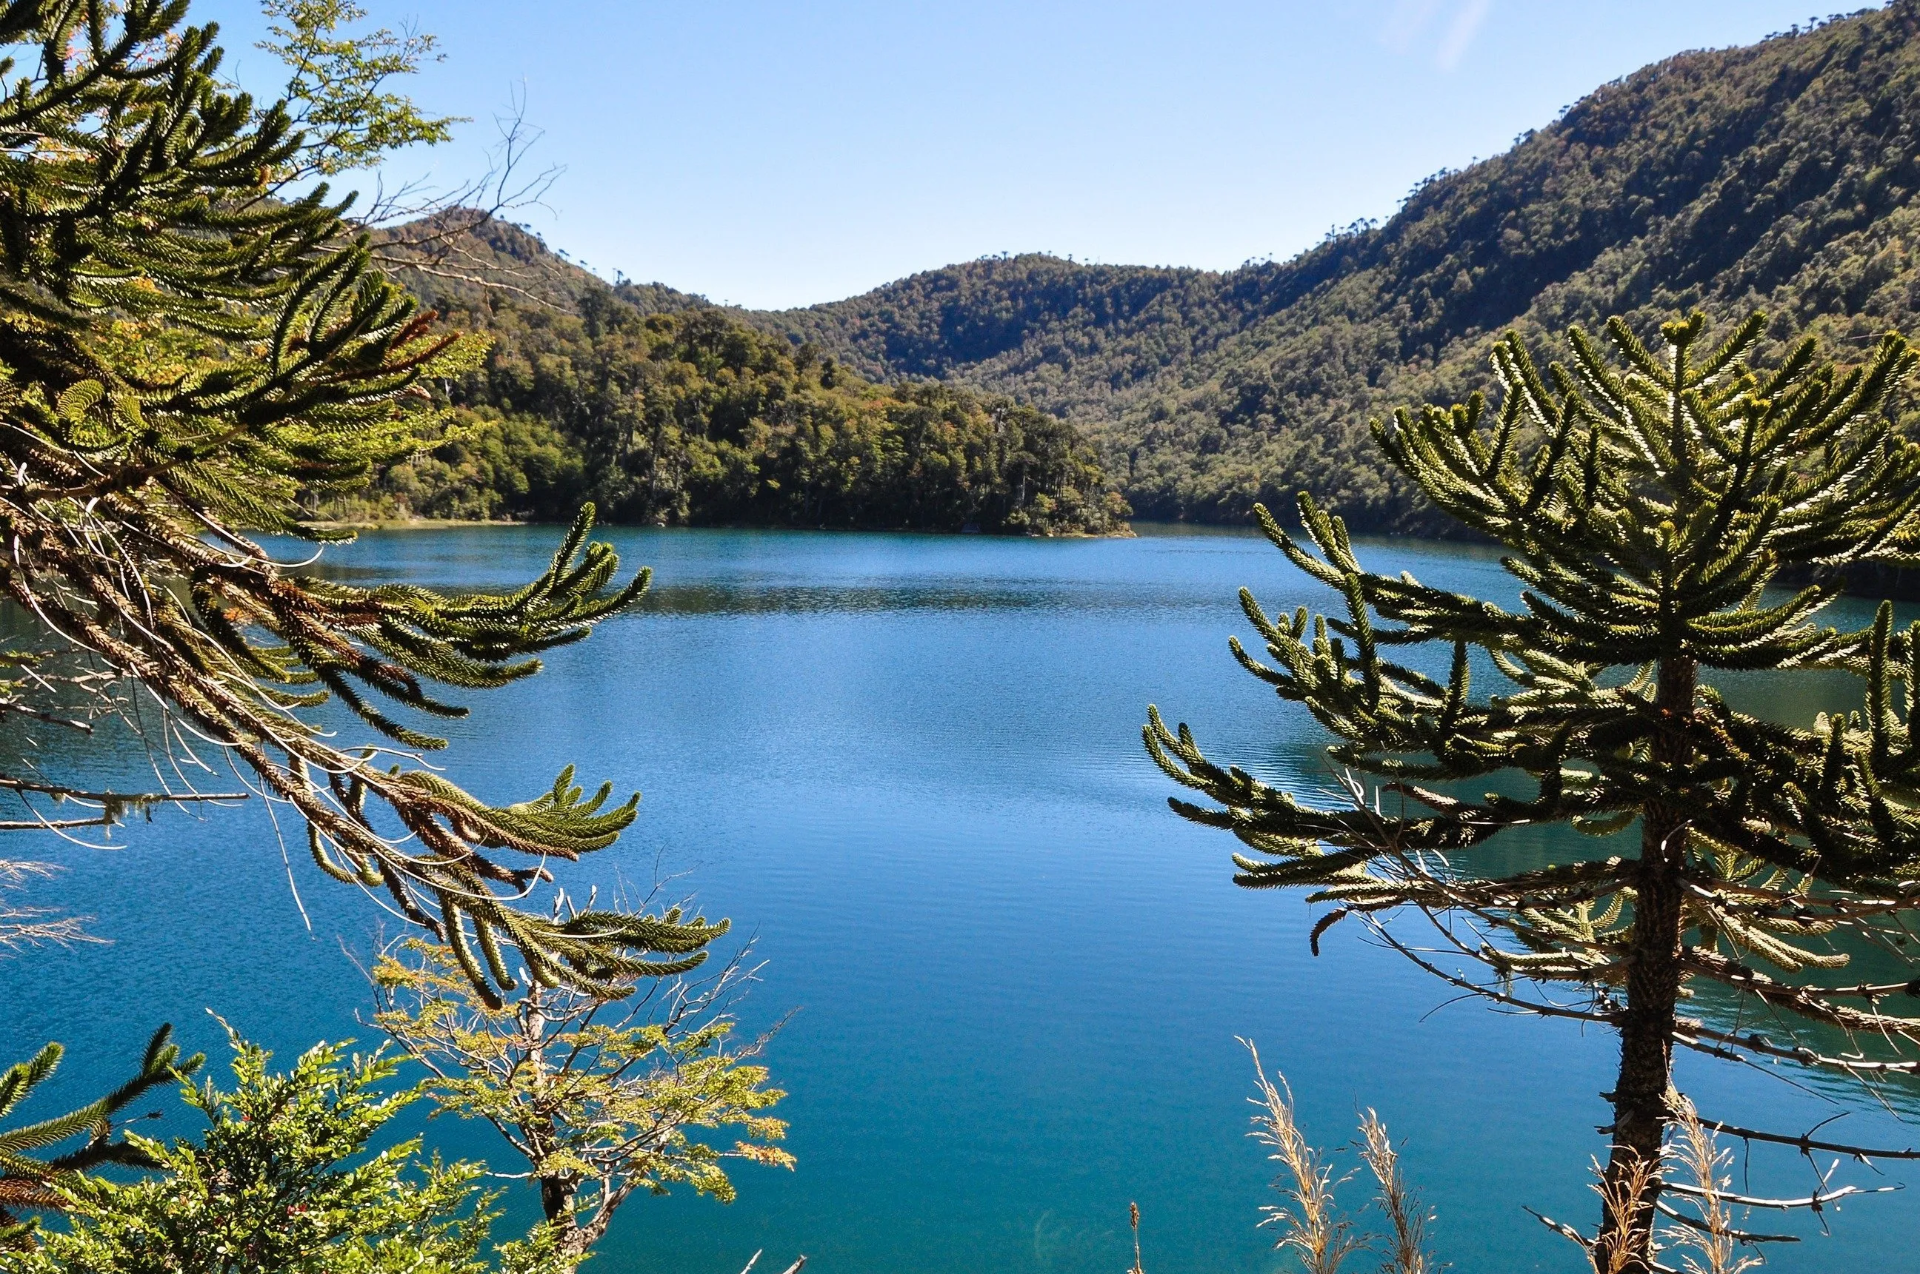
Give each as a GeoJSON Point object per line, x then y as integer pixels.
{"type": "Point", "coordinates": [1125, 530]}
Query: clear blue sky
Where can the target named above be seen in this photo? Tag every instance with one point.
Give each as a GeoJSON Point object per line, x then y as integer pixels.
{"type": "Point", "coordinates": [784, 154]}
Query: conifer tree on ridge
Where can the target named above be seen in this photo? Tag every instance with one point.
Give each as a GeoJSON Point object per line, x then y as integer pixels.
{"type": "Point", "coordinates": [1645, 502]}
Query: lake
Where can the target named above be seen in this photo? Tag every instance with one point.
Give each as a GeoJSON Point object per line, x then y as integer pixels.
{"type": "Point", "coordinates": [908, 767]}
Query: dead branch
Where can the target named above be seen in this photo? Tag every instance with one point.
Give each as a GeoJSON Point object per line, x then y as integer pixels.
{"type": "Point", "coordinates": [1742, 1236]}
{"type": "Point", "coordinates": [1806, 1145]}
{"type": "Point", "coordinates": [1814, 1202]}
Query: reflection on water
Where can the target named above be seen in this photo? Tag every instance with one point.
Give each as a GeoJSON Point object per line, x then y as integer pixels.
{"type": "Point", "coordinates": [747, 598]}
{"type": "Point", "coordinates": [911, 766]}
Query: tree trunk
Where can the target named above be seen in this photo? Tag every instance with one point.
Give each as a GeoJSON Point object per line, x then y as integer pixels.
{"type": "Point", "coordinates": [1640, 1110]}
{"type": "Point", "coordinates": [556, 1192]}
{"type": "Point", "coordinates": [578, 1239]}
{"type": "Point", "coordinates": [556, 1201]}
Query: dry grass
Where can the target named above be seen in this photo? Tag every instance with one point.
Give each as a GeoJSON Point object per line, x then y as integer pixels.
{"type": "Point", "coordinates": [1612, 1252]}
{"type": "Point", "coordinates": [1711, 1236]}
{"type": "Point", "coordinates": [1323, 1239]}
{"type": "Point", "coordinates": [1708, 1237]}
{"type": "Point", "coordinates": [1311, 1224]}
{"type": "Point", "coordinates": [1401, 1206]}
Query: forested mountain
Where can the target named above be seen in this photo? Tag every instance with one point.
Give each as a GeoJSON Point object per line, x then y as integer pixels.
{"type": "Point", "coordinates": [1778, 176]}
{"type": "Point", "coordinates": [689, 416]}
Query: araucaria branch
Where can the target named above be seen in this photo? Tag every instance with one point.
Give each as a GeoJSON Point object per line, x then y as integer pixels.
{"type": "Point", "coordinates": [189, 355]}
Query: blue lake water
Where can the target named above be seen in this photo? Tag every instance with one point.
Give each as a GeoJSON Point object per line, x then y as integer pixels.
{"type": "Point", "coordinates": [909, 768]}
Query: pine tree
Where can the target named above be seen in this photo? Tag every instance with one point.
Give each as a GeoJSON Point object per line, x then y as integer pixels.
{"type": "Point", "coordinates": [1646, 502]}
{"type": "Point", "coordinates": [188, 352]}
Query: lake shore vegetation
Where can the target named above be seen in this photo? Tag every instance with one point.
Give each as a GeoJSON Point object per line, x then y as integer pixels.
{"type": "Point", "coordinates": [283, 1179]}
{"type": "Point", "coordinates": [695, 419]}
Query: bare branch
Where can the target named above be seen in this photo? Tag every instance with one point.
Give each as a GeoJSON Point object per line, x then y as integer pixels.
{"type": "Point", "coordinates": [1807, 1144]}
{"type": "Point", "coordinates": [1741, 1236]}
{"type": "Point", "coordinates": [1813, 1202]}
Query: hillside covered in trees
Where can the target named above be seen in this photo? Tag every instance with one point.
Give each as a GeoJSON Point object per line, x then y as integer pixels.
{"type": "Point", "coordinates": [1778, 176]}
{"type": "Point", "coordinates": [688, 416]}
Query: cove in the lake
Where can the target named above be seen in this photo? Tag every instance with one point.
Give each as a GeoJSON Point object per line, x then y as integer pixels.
{"type": "Point", "coordinates": [909, 768]}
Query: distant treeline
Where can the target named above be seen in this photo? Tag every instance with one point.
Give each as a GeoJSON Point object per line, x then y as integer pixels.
{"type": "Point", "coordinates": [693, 418]}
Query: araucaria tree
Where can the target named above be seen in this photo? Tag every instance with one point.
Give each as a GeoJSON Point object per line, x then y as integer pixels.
{"type": "Point", "coordinates": [29, 1173]}
{"type": "Point", "coordinates": [192, 353]}
{"type": "Point", "coordinates": [182, 359]}
{"type": "Point", "coordinates": [288, 1177]}
{"type": "Point", "coordinates": [1647, 499]}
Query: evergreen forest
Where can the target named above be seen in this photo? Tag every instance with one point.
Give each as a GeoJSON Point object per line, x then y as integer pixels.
{"type": "Point", "coordinates": [1776, 176]}
{"type": "Point", "coordinates": [692, 417]}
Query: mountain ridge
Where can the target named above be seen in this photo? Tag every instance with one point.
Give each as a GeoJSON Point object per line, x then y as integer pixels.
{"type": "Point", "coordinates": [1777, 175]}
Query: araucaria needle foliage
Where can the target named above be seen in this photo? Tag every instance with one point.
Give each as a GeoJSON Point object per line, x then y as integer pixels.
{"type": "Point", "coordinates": [187, 353]}
{"type": "Point", "coordinates": [1647, 498]}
